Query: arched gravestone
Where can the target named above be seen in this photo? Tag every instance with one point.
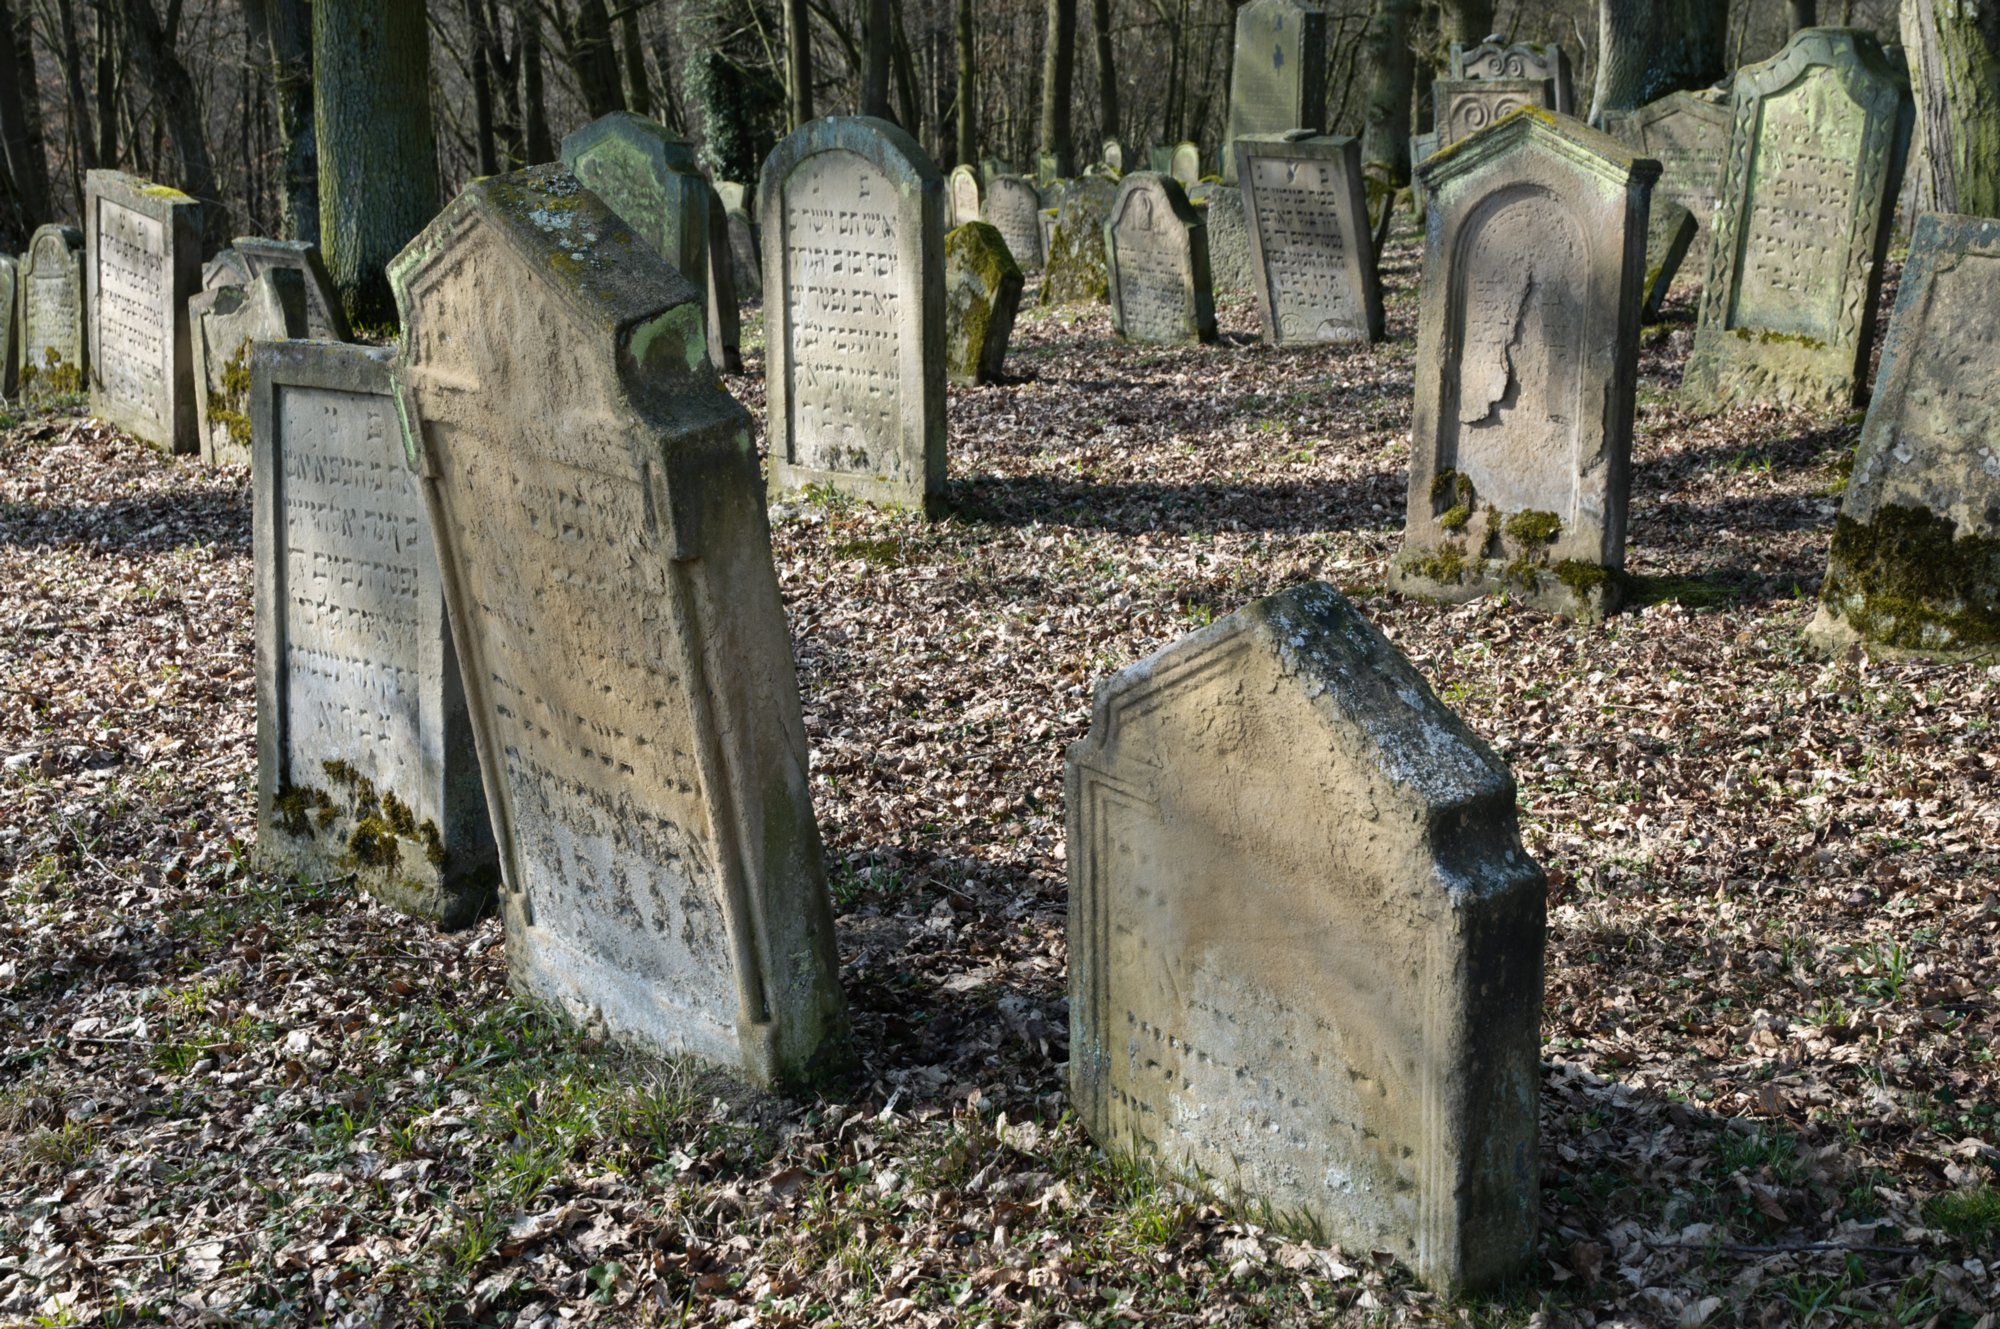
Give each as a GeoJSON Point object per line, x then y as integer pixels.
{"type": "Point", "coordinates": [250, 256]}
{"type": "Point", "coordinates": [1305, 943]}
{"type": "Point", "coordinates": [1014, 208]}
{"type": "Point", "coordinates": [1527, 360]}
{"type": "Point", "coordinates": [1277, 81]}
{"type": "Point", "coordinates": [1312, 257]}
{"type": "Point", "coordinates": [1114, 155]}
{"type": "Point", "coordinates": [1466, 106]}
{"type": "Point", "coordinates": [223, 324]}
{"type": "Point", "coordinates": [54, 354]}
{"type": "Point", "coordinates": [1807, 204]}
{"type": "Point", "coordinates": [1522, 60]}
{"type": "Point", "coordinates": [1156, 262]}
{"type": "Point", "coordinates": [965, 202]}
{"type": "Point", "coordinates": [365, 759]}
{"type": "Point", "coordinates": [852, 212]}
{"type": "Point", "coordinates": [1184, 164]}
{"type": "Point", "coordinates": [143, 261]}
{"type": "Point", "coordinates": [10, 330]}
{"type": "Point", "coordinates": [1915, 563]}
{"type": "Point", "coordinates": [607, 564]}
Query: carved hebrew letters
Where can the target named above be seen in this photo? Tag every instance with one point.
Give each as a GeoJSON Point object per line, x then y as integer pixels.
{"type": "Point", "coordinates": [132, 288]}
{"type": "Point", "coordinates": [1805, 162]}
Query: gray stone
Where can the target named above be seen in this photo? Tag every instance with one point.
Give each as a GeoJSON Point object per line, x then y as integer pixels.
{"type": "Point", "coordinates": [982, 293]}
{"type": "Point", "coordinates": [10, 329]}
{"type": "Point", "coordinates": [55, 356]}
{"type": "Point", "coordinates": [1529, 60]}
{"type": "Point", "coordinates": [1160, 160]}
{"type": "Point", "coordinates": [224, 325]}
{"type": "Point", "coordinates": [1114, 155]}
{"type": "Point", "coordinates": [992, 166]}
{"type": "Point", "coordinates": [607, 563]}
{"type": "Point", "coordinates": [1688, 134]}
{"type": "Point", "coordinates": [1312, 257]}
{"type": "Point", "coordinates": [1670, 233]}
{"type": "Point", "coordinates": [325, 318]}
{"type": "Point", "coordinates": [365, 760]}
{"type": "Point", "coordinates": [1278, 79]}
{"type": "Point", "coordinates": [143, 261]}
{"type": "Point", "coordinates": [1221, 210]}
{"type": "Point", "coordinates": [1802, 225]}
{"type": "Point", "coordinates": [1014, 208]}
{"type": "Point", "coordinates": [1305, 943]}
{"type": "Point", "coordinates": [1076, 272]}
{"type": "Point", "coordinates": [1527, 362]}
{"type": "Point", "coordinates": [746, 251]}
{"type": "Point", "coordinates": [1466, 106]}
{"type": "Point", "coordinates": [1915, 563]}
{"type": "Point", "coordinates": [1156, 260]}
{"type": "Point", "coordinates": [965, 198]}
{"type": "Point", "coordinates": [1185, 164]}
{"type": "Point", "coordinates": [227, 268]}
{"type": "Point", "coordinates": [1422, 148]}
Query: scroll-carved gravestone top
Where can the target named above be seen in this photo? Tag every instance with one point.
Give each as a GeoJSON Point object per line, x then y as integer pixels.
{"type": "Point", "coordinates": [1278, 80]}
{"type": "Point", "coordinates": [982, 293]}
{"type": "Point", "coordinates": [223, 323]}
{"type": "Point", "coordinates": [54, 355]}
{"type": "Point", "coordinates": [607, 564]}
{"type": "Point", "coordinates": [1529, 60]}
{"type": "Point", "coordinates": [10, 330]}
{"type": "Point", "coordinates": [965, 200]}
{"type": "Point", "coordinates": [1076, 271]}
{"type": "Point", "coordinates": [1915, 565]}
{"type": "Point", "coordinates": [1312, 260]}
{"type": "Point", "coordinates": [852, 212]}
{"type": "Point", "coordinates": [1014, 209]}
{"type": "Point", "coordinates": [143, 246]}
{"type": "Point", "coordinates": [1184, 165]}
{"type": "Point", "coordinates": [1687, 133]}
{"type": "Point", "coordinates": [1466, 106]}
{"type": "Point", "coordinates": [1527, 361]}
{"type": "Point", "coordinates": [326, 320]}
{"type": "Point", "coordinates": [1156, 259]}
{"type": "Point", "coordinates": [1802, 225]}
{"type": "Point", "coordinates": [1670, 234]}
{"type": "Point", "coordinates": [365, 758]}
{"type": "Point", "coordinates": [1305, 943]}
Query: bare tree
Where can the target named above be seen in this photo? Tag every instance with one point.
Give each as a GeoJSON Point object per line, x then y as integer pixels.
{"type": "Point", "coordinates": [151, 47]}
{"type": "Point", "coordinates": [1058, 69]}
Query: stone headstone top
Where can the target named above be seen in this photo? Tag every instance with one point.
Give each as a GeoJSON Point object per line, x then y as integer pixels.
{"type": "Point", "coordinates": [1156, 260]}
{"type": "Point", "coordinates": [326, 319]}
{"type": "Point", "coordinates": [54, 357]}
{"type": "Point", "coordinates": [1495, 59]}
{"type": "Point", "coordinates": [1466, 106]}
{"type": "Point", "coordinates": [992, 166]}
{"type": "Point", "coordinates": [224, 324]}
{"type": "Point", "coordinates": [1185, 164]}
{"type": "Point", "coordinates": [1013, 207]}
{"type": "Point", "coordinates": [965, 195]}
{"type": "Point", "coordinates": [143, 261]}
{"type": "Point", "coordinates": [1278, 78]}
{"type": "Point", "coordinates": [1312, 257]}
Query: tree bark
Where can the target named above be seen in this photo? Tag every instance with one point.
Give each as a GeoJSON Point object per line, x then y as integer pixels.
{"type": "Point", "coordinates": [107, 91]}
{"type": "Point", "coordinates": [1058, 71]}
{"type": "Point", "coordinates": [638, 90]}
{"type": "Point", "coordinates": [289, 32]}
{"type": "Point", "coordinates": [593, 58]}
{"type": "Point", "coordinates": [1649, 48]}
{"type": "Point", "coordinates": [1385, 133]}
{"type": "Point", "coordinates": [27, 166]}
{"type": "Point", "coordinates": [798, 61]}
{"type": "Point", "coordinates": [876, 39]}
{"type": "Point", "coordinates": [541, 147]}
{"type": "Point", "coordinates": [1107, 72]}
{"type": "Point", "coordinates": [81, 132]}
{"type": "Point", "coordinates": [479, 40]}
{"type": "Point", "coordinates": [1468, 21]}
{"type": "Point", "coordinates": [1954, 53]}
{"type": "Point", "coordinates": [1803, 13]}
{"type": "Point", "coordinates": [968, 91]}
{"type": "Point", "coordinates": [151, 47]}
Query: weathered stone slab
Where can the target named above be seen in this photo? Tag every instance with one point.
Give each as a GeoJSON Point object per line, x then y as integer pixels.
{"type": "Point", "coordinates": [1915, 564]}
{"type": "Point", "coordinates": [227, 268]}
{"type": "Point", "coordinates": [365, 759]}
{"type": "Point", "coordinates": [1076, 272]}
{"type": "Point", "coordinates": [1466, 106]}
{"type": "Point", "coordinates": [1160, 159]}
{"type": "Point", "coordinates": [1014, 208]}
{"type": "Point", "coordinates": [1305, 943]}
{"type": "Point", "coordinates": [1688, 134]}
{"type": "Point", "coordinates": [1521, 60]}
{"type": "Point", "coordinates": [1113, 155]}
{"type": "Point", "coordinates": [10, 325]}
{"type": "Point", "coordinates": [223, 324]}
{"type": "Point", "coordinates": [982, 293]}
{"type": "Point", "coordinates": [1527, 361]}
{"type": "Point", "coordinates": [143, 261]}
{"type": "Point", "coordinates": [1156, 259]}
{"type": "Point", "coordinates": [1220, 207]}
{"type": "Point", "coordinates": [326, 319]}
{"type": "Point", "coordinates": [1278, 79]}
{"type": "Point", "coordinates": [990, 167]}
{"type": "Point", "coordinates": [55, 357]}
{"type": "Point", "coordinates": [1312, 260]}
{"type": "Point", "coordinates": [1802, 225]}
{"type": "Point", "coordinates": [1185, 164]}
{"type": "Point", "coordinates": [1670, 233]}
{"type": "Point", "coordinates": [1422, 148]}
{"type": "Point", "coordinates": [853, 220]}
{"type": "Point", "coordinates": [965, 196]}
{"type": "Point", "coordinates": [746, 271]}
{"type": "Point", "coordinates": [607, 564]}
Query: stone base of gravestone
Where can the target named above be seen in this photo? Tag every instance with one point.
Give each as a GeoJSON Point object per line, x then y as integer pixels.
{"type": "Point", "coordinates": [1521, 570]}
{"type": "Point", "coordinates": [982, 293]}
{"type": "Point", "coordinates": [223, 323]}
{"type": "Point", "coordinates": [1670, 233]}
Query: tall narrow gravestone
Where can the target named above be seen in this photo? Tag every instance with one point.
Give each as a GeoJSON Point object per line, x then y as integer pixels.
{"type": "Point", "coordinates": [1527, 362]}
{"type": "Point", "coordinates": [1312, 258]}
{"type": "Point", "coordinates": [852, 212]}
{"type": "Point", "coordinates": [223, 324]}
{"type": "Point", "coordinates": [1802, 225]}
{"type": "Point", "coordinates": [10, 325]}
{"type": "Point", "coordinates": [54, 354]}
{"type": "Point", "coordinates": [1278, 79]}
{"type": "Point", "coordinates": [249, 256]}
{"type": "Point", "coordinates": [1521, 60]}
{"type": "Point", "coordinates": [1305, 942]}
{"type": "Point", "coordinates": [1156, 261]}
{"type": "Point", "coordinates": [143, 245]}
{"type": "Point", "coordinates": [1466, 106]}
{"type": "Point", "coordinates": [746, 258]}
{"type": "Point", "coordinates": [965, 201]}
{"type": "Point", "coordinates": [364, 750]}
{"type": "Point", "coordinates": [1014, 209]}
{"type": "Point", "coordinates": [607, 564]}
{"type": "Point", "coordinates": [982, 293]}
{"type": "Point", "coordinates": [1915, 564]}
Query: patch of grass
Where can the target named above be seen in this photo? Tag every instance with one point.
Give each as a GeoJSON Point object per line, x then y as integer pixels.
{"type": "Point", "coordinates": [1972, 1216]}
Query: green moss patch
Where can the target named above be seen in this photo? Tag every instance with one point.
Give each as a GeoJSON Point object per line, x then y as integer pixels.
{"type": "Point", "coordinates": [1533, 528]}
{"type": "Point", "coordinates": [1908, 580]}
{"type": "Point", "coordinates": [1452, 499]}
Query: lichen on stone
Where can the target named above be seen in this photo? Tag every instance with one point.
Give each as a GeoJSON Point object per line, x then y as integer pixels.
{"type": "Point", "coordinates": [1908, 579]}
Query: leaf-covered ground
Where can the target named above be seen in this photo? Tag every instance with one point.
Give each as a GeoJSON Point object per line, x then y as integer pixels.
{"type": "Point", "coordinates": [1769, 1089]}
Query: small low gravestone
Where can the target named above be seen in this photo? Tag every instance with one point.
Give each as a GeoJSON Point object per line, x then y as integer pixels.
{"type": "Point", "coordinates": [989, 167]}
{"type": "Point", "coordinates": [852, 212]}
{"type": "Point", "coordinates": [54, 354]}
{"type": "Point", "coordinates": [1466, 106]}
{"type": "Point", "coordinates": [1305, 942]}
{"type": "Point", "coordinates": [10, 325]}
{"type": "Point", "coordinates": [1160, 159]}
{"type": "Point", "coordinates": [1221, 210]}
{"type": "Point", "coordinates": [1277, 79]}
{"type": "Point", "coordinates": [1185, 165]}
{"type": "Point", "coordinates": [1915, 564]}
{"type": "Point", "coordinates": [325, 318]}
{"type": "Point", "coordinates": [1014, 209]}
{"type": "Point", "coordinates": [143, 246]}
{"type": "Point", "coordinates": [1527, 362]}
{"type": "Point", "coordinates": [1494, 59]}
{"type": "Point", "coordinates": [1156, 258]}
{"type": "Point", "coordinates": [1312, 258]}
{"type": "Point", "coordinates": [1076, 272]}
{"type": "Point", "coordinates": [607, 564]}
{"type": "Point", "coordinates": [965, 198]}
{"type": "Point", "coordinates": [1802, 225]}
{"type": "Point", "coordinates": [1114, 155]}
{"type": "Point", "coordinates": [223, 323]}
{"type": "Point", "coordinates": [1687, 133]}
{"type": "Point", "coordinates": [365, 761]}
{"type": "Point", "coordinates": [1670, 233]}
{"type": "Point", "coordinates": [982, 293]}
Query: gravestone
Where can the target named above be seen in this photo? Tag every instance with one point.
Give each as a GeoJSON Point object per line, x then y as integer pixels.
{"type": "Point", "coordinates": [1527, 362]}
{"type": "Point", "coordinates": [745, 251]}
{"type": "Point", "coordinates": [989, 167]}
{"type": "Point", "coordinates": [365, 759]}
{"type": "Point", "coordinates": [1076, 272]}
{"type": "Point", "coordinates": [10, 329]}
{"type": "Point", "coordinates": [55, 356]}
{"type": "Point", "coordinates": [1422, 148]}
{"type": "Point", "coordinates": [1670, 233]}
{"type": "Point", "coordinates": [607, 565]}
{"type": "Point", "coordinates": [1185, 165]}
{"type": "Point", "coordinates": [1161, 160]}
{"type": "Point", "coordinates": [143, 261]}
{"type": "Point", "coordinates": [1014, 209]}
{"type": "Point", "coordinates": [1156, 259]}
{"type": "Point", "coordinates": [1687, 133]}
{"type": "Point", "coordinates": [982, 293]}
{"type": "Point", "coordinates": [965, 203]}
{"type": "Point", "coordinates": [227, 268]}
{"type": "Point", "coordinates": [223, 323]}
{"type": "Point", "coordinates": [1278, 79]}
{"type": "Point", "coordinates": [1220, 207]}
{"type": "Point", "coordinates": [1801, 226]}
{"type": "Point", "coordinates": [1466, 106]}
{"type": "Point", "coordinates": [1493, 59]}
{"type": "Point", "coordinates": [326, 320]}
{"type": "Point", "coordinates": [1114, 155]}
{"type": "Point", "coordinates": [1312, 257]}
{"type": "Point", "coordinates": [1915, 563]}
{"type": "Point", "coordinates": [1305, 942]}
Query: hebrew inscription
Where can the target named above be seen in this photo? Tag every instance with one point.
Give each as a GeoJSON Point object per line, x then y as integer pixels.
{"type": "Point", "coordinates": [1308, 253]}
{"type": "Point", "coordinates": [134, 329]}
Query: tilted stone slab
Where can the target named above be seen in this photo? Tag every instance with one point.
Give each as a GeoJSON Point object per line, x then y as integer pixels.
{"type": "Point", "coordinates": [1527, 362]}
{"type": "Point", "coordinates": [1466, 106]}
{"type": "Point", "coordinates": [143, 260]}
{"type": "Point", "coordinates": [1521, 60]}
{"type": "Point", "coordinates": [55, 356]}
{"type": "Point", "coordinates": [1305, 943]}
{"type": "Point", "coordinates": [1670, 236]}
{"type": "Point", "coordinates": [223, 324]}
{"type": "Point", "coordinates": [365, 760]}
{"type": "Point", "coordinates": [1156, 259]}
{"type": "Point", "coordinates": [1312, 259]}
{"type": "Point", "coordinates": [852, 213]}
{"type": "Point", "coordinates": [10, 325]}
{"type": "Point", "coordinates": [1687, 133]}
{"type": "Point", "coordinates": [1014, 208]}
{"type": "Point", "coordinates": [1915, 563]}
{"type": "Point", "coordinates": [607, 564]}
{"type": "Point", "coordinates": [982, 294]}
{"type": "Point", "coordinates": [326, 320]}
{"type": "Point", "coordinates": [1802, 226]}
{"type": "Point", "coordinates": [966, 205]}
{"type": "Point", "coordinates": [1278, 78]}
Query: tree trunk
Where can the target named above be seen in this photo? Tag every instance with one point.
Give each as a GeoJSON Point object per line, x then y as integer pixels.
{"type": "Point", "coordinates": [1804, 13]}
{"type": "Point", "coordinates": [485, 145]}
{"type": "Point", "coordinates": [876, 38]}
{"type": "Point", "coordinates": [107, 92]}
{"type": "Point", "coordinates": [1954, 53]}
{"type": "Point", "coordinates": [27, 166]}
{"type": "Point", "coordinates": [1385, 134]}
{"type": "Point", "coordinates": [1468, 21]}
{"type": "Point", "coordinates": [1058, 69]}
{"type": "Point", "coordinates": [290, 34]}
{"type": "Point", "coordinates": [968, 92]}
{"type": "Point", "coordinates": [638, 91]}
{"type": "Point", "coordinates": [81, 132]}
{"type": "Point", "coordinates": [378, 181]}
{"type": "Point", "coordinates": [1107, 72]}
{"type": "Point", "coordinates": [541, 147]}
{"type": "Point", "coordinates": [151, 47]}
{"type": "Point", "coordinates": [798, 61]}
{"type": "Point", "coordinates": [593, 58]}
{"type": "Point", "coordinates": [911, 109]}
{"type": "Point", "coordinates": [1649, 48]}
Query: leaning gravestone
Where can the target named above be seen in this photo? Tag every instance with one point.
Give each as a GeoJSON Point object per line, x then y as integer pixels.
{"type": "Point", "coordinates": [1156, 259]}
{"type": "Point", "coordinates": [1305, 941]}
{"type": "Point", "coordinates": [223, 324]}
{"type": "Point", "coordinates": [1527, 362]}
{"type": "Point", "coordinates": [1466, 106]}
{"type": "Point", "coordinates": [365, 760]}
{"type": "Point", "coordinates": [1687, 133]}
{"type": "Point", "coordinates": [1670, 233]}
{"type": "Point", "coordinates": [982, 293]}
{"type": "Point", "coordinates": [745, 253]}
{"type": "Point", "coordinates": [1312, 260]}
{"type": "Point", "coordinates": [1220, 207]}
{"type": "Point", "coordinates": [54, 355]}
{"type": "Point", "coordinates": [1278, 79]}
{"type": "Point", "coordinates": [10, 329]}
{"type": "Point", "coordinates": [1494, 59]}
{"type": "Point", "coordinates": [965, 202]}
{"type": "Point", "coordinates": [1185, 165]}
{"type": "Point", "coordinates": [607, 564]}
{"type": "Point", "coordinates": [1014, 209]}
{"type": "Point", "coordinates": [1915, 564]}
{"type": "Point", "coordinates": [1075, 272]}
{"type": "Point", "coordinates": [326, 319]}
{"type": "Point", "coordinates": [1802, 225]}
{"type": "Point", "coordinates": [143, 244]}
{"type": "Point", "coordinates": [852, 212]}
